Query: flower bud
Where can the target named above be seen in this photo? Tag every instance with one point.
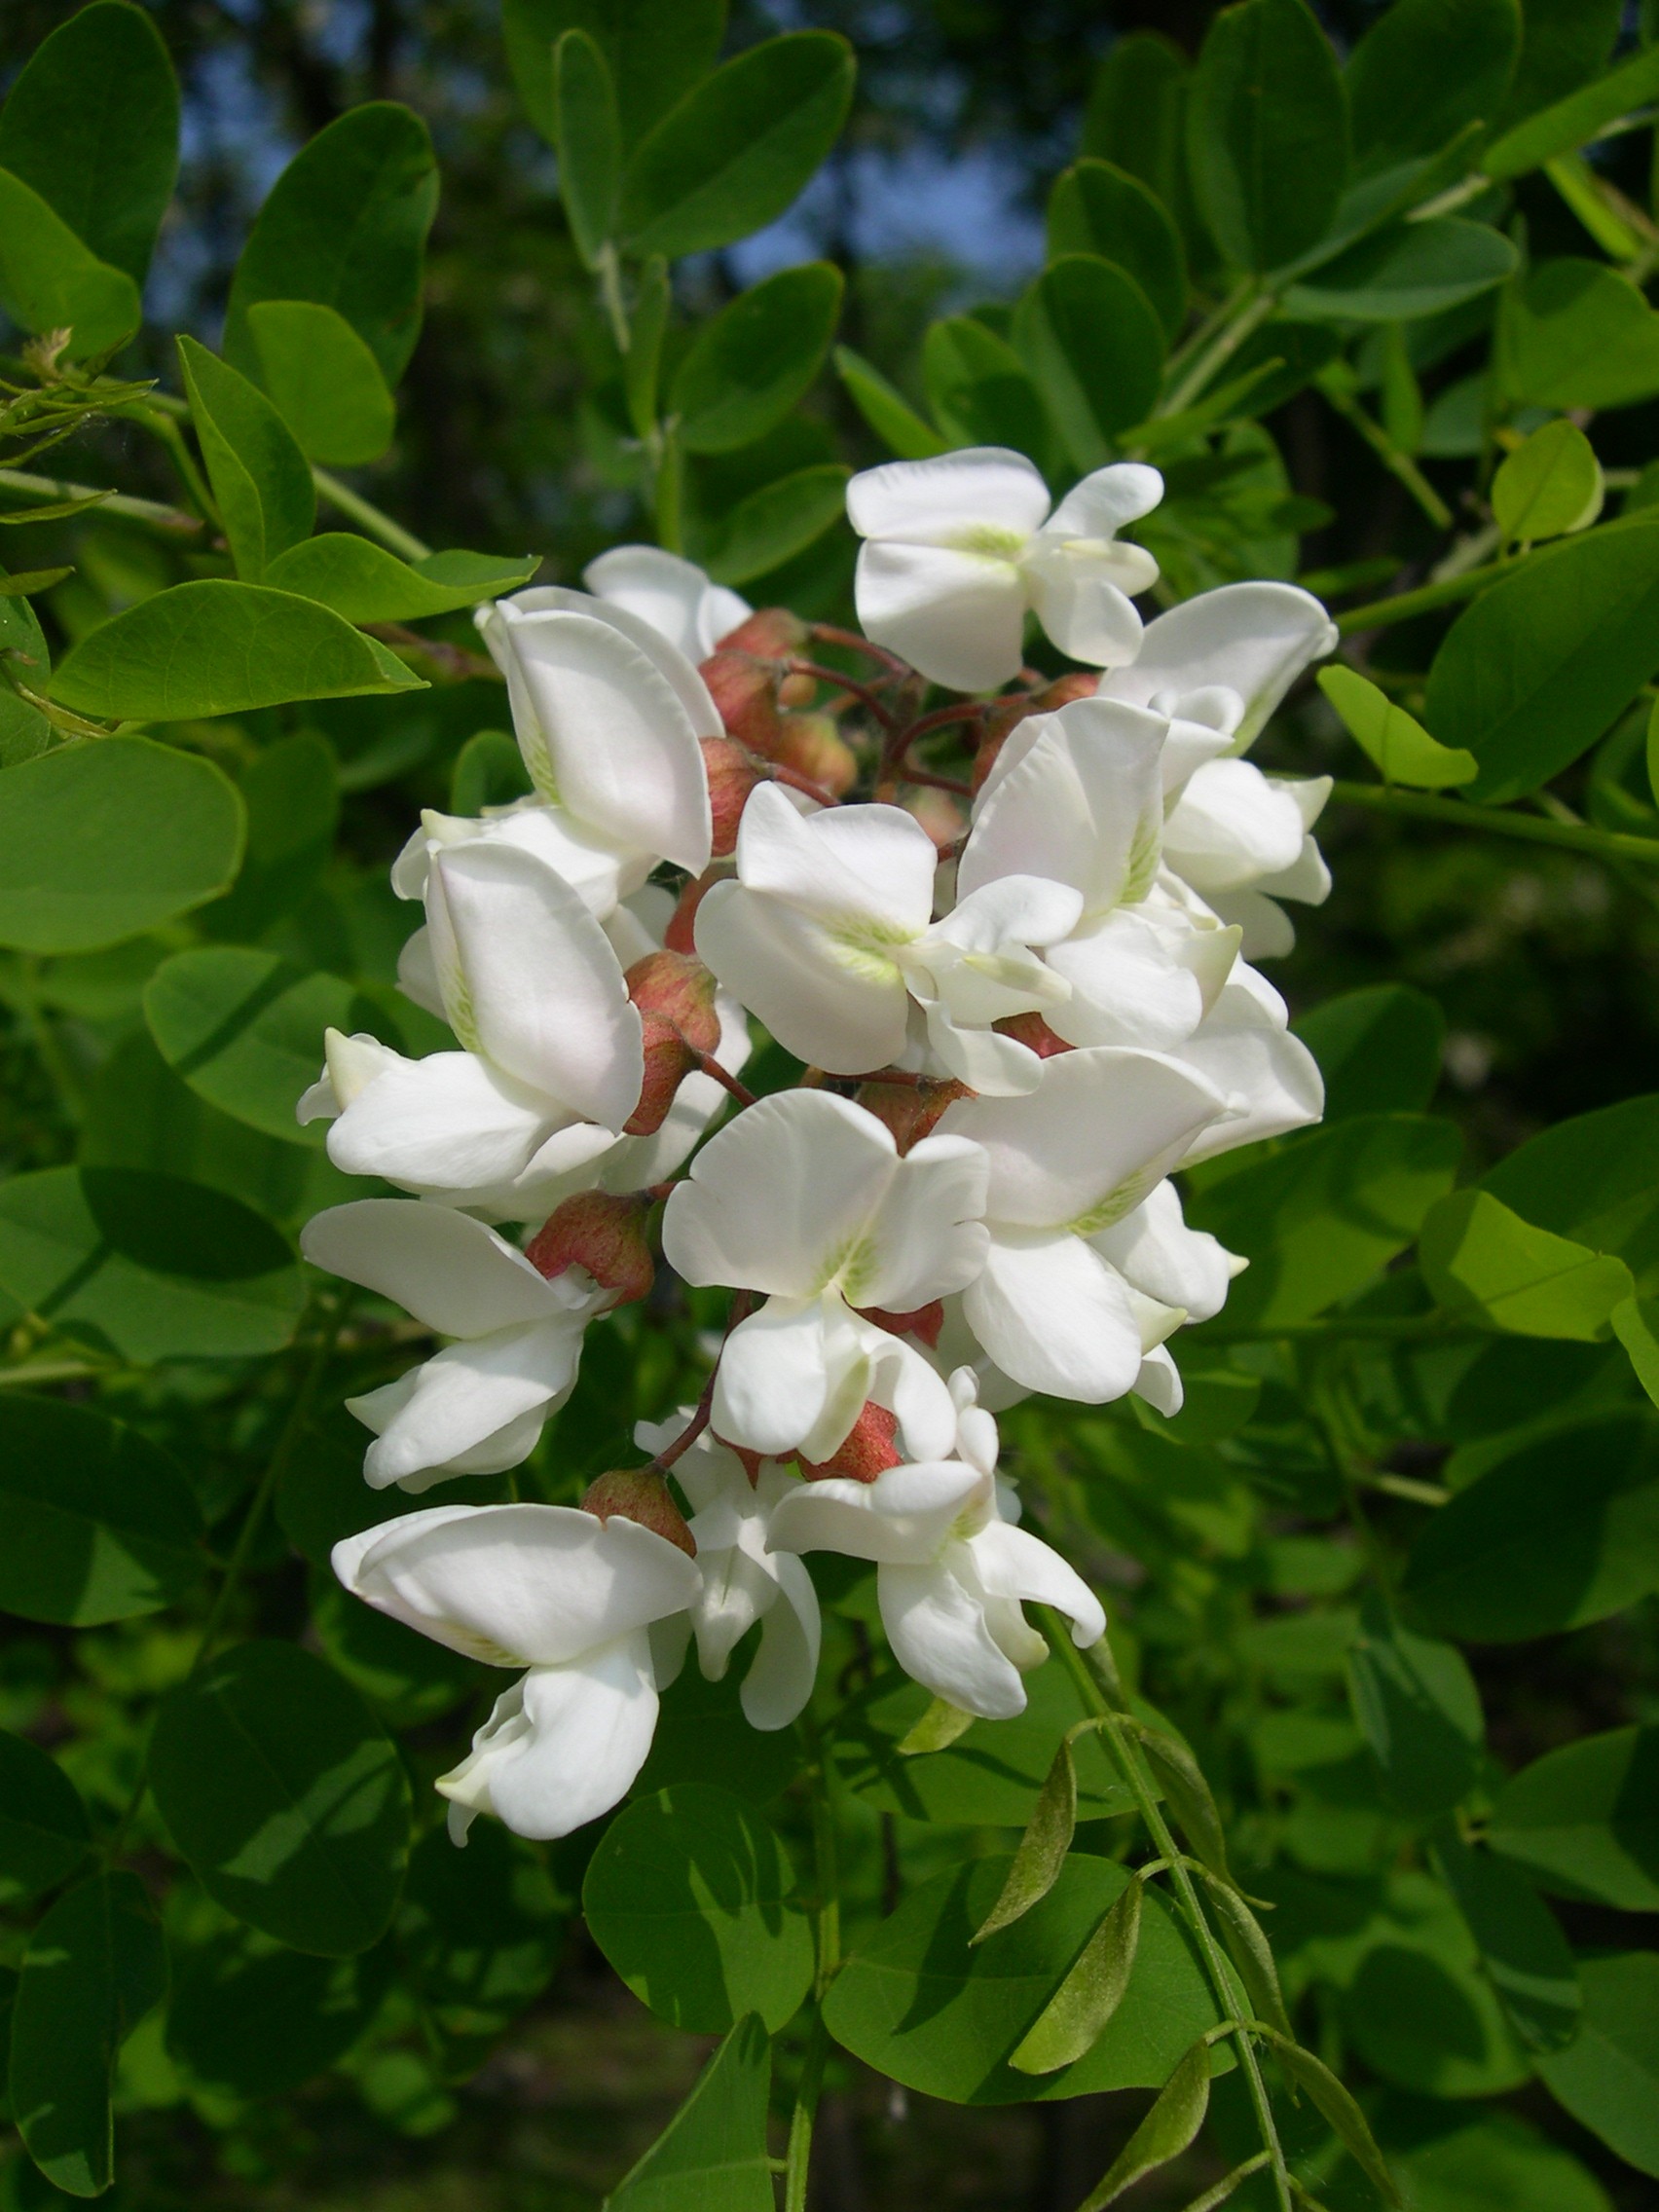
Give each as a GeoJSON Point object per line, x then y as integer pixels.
{"type": "Point", "coordinates": [938, 815]}
{"type": "Point", "coordinates": [640, 1494]}
{"type": "Point", "coordinates": [866, 1452]}
{"type": "Point", "coordinates": [732, 775]}
{"type": "Point", "coordinates": [603, 1234]}
{"type": "Point", "coordinates": [1033, 1032]}
{"type": "Point", "coordinates": [669, 1060]}
{"type": "Point", "coordinates": [771, 633]}
{"type": "Point", "coordinates": [745, 690]}
{"type": "Point", "coordinates": [680, 934]}
{"type": "Point", "coordinates": [1008, 713]}
{"type": "Point", "coordinates": [813, 747]}
{"type": "Point", "coordinates": [924, 1322]}
{"type": "Point", "coordinates": [678, 988]}
{"type": "Point", "coordinates": [911, 1110]}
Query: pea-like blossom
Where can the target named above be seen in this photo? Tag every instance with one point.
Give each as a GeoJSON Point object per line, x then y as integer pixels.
{"type": "Point", "coordinates": [805, 1200]}
{"type": "Point", "coordinates": [953, 1568]}
{"type": "Point", "coordinates": [958, 548]}
{"type": "Point", "coordinates": [678, 599]}
{"type": "Point", "coordinates": [827, 935]}
{"type": "Point", "coordinates": [563, 1594]}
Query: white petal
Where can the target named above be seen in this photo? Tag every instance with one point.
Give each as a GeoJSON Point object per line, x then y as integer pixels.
{"type": "Point", "coordinates": [1084, 600]}
{"type": "Point", "coordinates": [1266, 930]}
{"type": "Point", "coordinates": [993, 1065]}
{"type": "Point", "coordinates": [468, 1393]}
{"type": "Point", "coordinates": [545, 991]}
{"type": "Point", "coordinates": [1254, 637]}
{"type": "Point", "coordinates": [959, 617]}
{"type": "Point", "coordinates": [1103, 1125]}
{"type": "Point", "coordinates": [774, 1377]}
{"type": "Point", "coordinates": [927, 1237]}
{"type": "Point", "coordinates": [1156, 1252]}
{"type": "Point", "coordinates": [778, 1198]}
{"type": "Point", "coordinates": [589, 1728]}
{"type": "Point", "coordinates": [901, 1517]}
{"type": "Point", "coordinates": [1230, 827]}
{"type": "Point", "coordinates": [936, 1624]}
{"type": "Point", "coordinates": [1271, 1080]}
{"type": "Point", "coordinates": [915, 1392]}
{"type": "Point", "coordinates": [445, 1122]}
{"type": "Point", "coordinates": [1130, 985]}
{"type": "Point", "coordinates": [1308, 878]}
{"type": "Point", "coordinates": [509, 1445]}
{"type": "Point", "coordinates": [1011, 1563]}
{"type": "Point", "coordinates": [1104, 501]}
{"type": "Point", "coordinates": [779, 1682]}
{"type": "Point", "coordinates": [826, 1001]}
{"type": "Point", "coordinates": [1056, 1318]}
{"type": "Point", "coordinates": [854, 867]}
{"type": "Point", "coordinates": [517, 1585]}
{"type": "Point", "coordinates": [932, 503]}
{"type": "Point", "coordinates": [1159, 1383]}
{"type": "Point", "coordinates": [736, 1591]}
{"type": "Point", "coordinates": [449, 1271]}
{"type": "Point", "coordinates": [673, 596]}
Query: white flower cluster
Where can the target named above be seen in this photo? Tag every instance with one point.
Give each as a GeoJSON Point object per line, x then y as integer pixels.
{"type": "Point", "coordinates": [1043, 1014]}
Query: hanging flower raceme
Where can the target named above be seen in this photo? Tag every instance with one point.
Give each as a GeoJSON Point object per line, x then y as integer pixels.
{"type": "Point", "coordinates": [561, 1592]}
{"type": "Point", "coordinates": [553, 1059]}
{"type": "Point", "coordinates": [827, 935]}
{"type": "Point", "coordinates": [733, 1499]}
{"type": "Point", "coordinates": [804, 1198]}
{"type": "Point", "coordinates": [958, 548]}
{"type": "Point", "coordinates": [951, 1568]}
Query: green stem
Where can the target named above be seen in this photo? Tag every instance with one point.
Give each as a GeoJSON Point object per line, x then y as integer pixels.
{"type": "Point", "coordinates": [609, 274]}
{"type": "Point", "coordinates": [1405, 605]}
{"type": "Point", "coordinates": [162, 426]}
{"type": "Point", "coordinates": [1245, 313]}
{"type": "Point", "coordinates": [826, 1934]}
{"type": "Point", "coordinates": [1389, 1328]}
{"type": "Point", "coordinates": [47, 1044]}
{"type": "Point", "coordinates": [368, 517]}
{"type": "Point", "coordinates": [671, 529]}
{"type": "Point", "coordinates": [1501, 822]}
{"type": "Point", "coordinates": [1230, 1996]}
{"type": "Point", "coordinates": [1399, 465]}
{"type": "Point", "coordinates": [56, 490]}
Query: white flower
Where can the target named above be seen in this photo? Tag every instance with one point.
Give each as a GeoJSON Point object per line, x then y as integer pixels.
{"type": "Point", "coordinates": [957, 548]}
{"type": "Point", "coordinates": [1077, 795]}
{"type": "Point", "coordinates": [608, 716]}
{"type": "Point", "coordinates": [804, 1198]}
{"type": "Point", "coordinates": [554, 1590]}
{"type": "Point", "coordinates": [478, 1405]}
{"type": "Point", "coordinates": [951, 1569]}
{"type": "Point", "coordinates": [743, 1582]}
{"type": "Point", "coordinates": [553, 1061]}
{"type": "Point", "coordinates": [1270, 1078]}
{"type": "Point", "coordinates": [1067, 1165]}
{"type": "Point", "coordinates": [825, 936]}
{"type": "Point", "coordinates": [599, 872]}
{"type": "Point", "coordinates": [673, 596]}
{"type": "Point", "coordinates": [1219, 664]}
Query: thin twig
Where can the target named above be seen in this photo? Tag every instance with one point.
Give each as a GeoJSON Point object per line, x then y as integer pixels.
{"type": "Point", "coordinates": [882, 712]}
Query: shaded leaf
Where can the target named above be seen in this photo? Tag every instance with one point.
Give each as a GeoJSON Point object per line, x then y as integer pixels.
{"type": "Point", "coordinates": [657, 51]}
{"type": "Point", "coordinates": [1398, 743]}
{"type": "Point", "coordinates": [712, 2157]}
{"type": "Point", "coordinates": [48, 280]}
{"type": "Point", "coordinates": [324, 381]}
{"type": "Point", "coordinates": [1378, 1048]}
{"type": "Point", "coordinates": [43, 1834]}
{"type": "Point", "coordinates": [1584, 1820]}
{"type": "Point", "coordinates": [1418, 1711]}
{"type": "Point", "coordinates": [1075, 2017]}
{"type": "Point", "coordinates": [1521, 1943]}
{"type": "Point", "coordinates": [751, 363]}
{"type": "Point", "coordinates": [587, 134]}
{"type": "Point", "coordinates": [1608, 2077]}
{"type": "Point", "coordinates": [1095, 349]}
{"type": "Point", "coordinates": [1098, 208]}
{"type": "Point", "coordinates": [1043, 1848]}
{"type": "Point", "coordinates": [1163, 2134]}
{"type": "Point", "coordinates": [1267, 135]}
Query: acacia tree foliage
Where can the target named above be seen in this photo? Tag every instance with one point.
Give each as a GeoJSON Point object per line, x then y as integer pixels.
{"type": "Point", "coordinates": [1418, 1439]}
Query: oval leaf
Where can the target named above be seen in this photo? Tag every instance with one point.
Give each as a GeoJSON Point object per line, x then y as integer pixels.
{"type": "Point", "coordinates": [48, 280]}
{"type": "Point", "coordinates": [324, 381]}
{"type": "Point", "coordinates": [750, 364]}
{"type": "Point", "coordinates": [1071, 2021]}
{"type": "Point", "coordinates": [365, 583]}
{"type": "Point", "coordinates": [259, 475]}
{"type": "Point", "coordinates": [1093, 346]}
{"type": "Point", "coordinates": [1267, 132]}
{"type": "Point", "coordinates": [713, 2155]}
{"type": "Point", "coordinates": [43, 1834]}
{"type": "Point", "coordinates": [1098, 208]}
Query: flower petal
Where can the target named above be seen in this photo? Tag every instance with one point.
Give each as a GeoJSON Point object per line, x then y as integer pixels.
{"type": "Point", "coordinates": [932, 502]}
{"type": "Point", "coordinates": [1230, 827]}
{"type": "Point", "coordinates": [1254, 637]}
{"type": "Point", "coordinates": [779, 1682]}
{"type": "Point", "coordinates": [449, 1271]}
{"type": "Point", "coordinates": [774, 1377]}
{"type": "Point", "coordinates": [673, 596]}
{"type": "Point", "coordinates": [937, 1627]}
{"type": "Point", "coordinates": [1084, 600]}
{"type": "Point", "coordinates": [1104, 501]}
{"type": "Point", "coordinates": [1082, 803]}
{"type": "Point", "coordinates": [1155, 1252]}
{"type": "Point", "coordinates": [958, 616]}
{"type": "Point", "coordinates": [1270, 1078]}
{"type": "Point", "coordinates": [1056, 1318]}
{"type": "Point", "coordinates": [902, 1517]}
{"type": "Point", "coordinates": [590, 1725]}
{"type": "Point", "coordinates": [1130, 985]}
{"type": "Point", "coordinates": [853, 867]}
{"type": "Point", "coordinates": [468, 1393]}
{"type": "Point", "coordinates": [829, 1003]}
{"type": "Point", "coordinates": [1011, 1563]}
{"type": "Point", "coordinates": [446, 1123]}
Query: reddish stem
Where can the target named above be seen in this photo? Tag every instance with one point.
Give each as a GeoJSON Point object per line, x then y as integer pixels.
{"type": "Point", "coordinates": [859, 691]}
{"type": "Point", "coordinates": [799, 783]}
{"type": "Point", "coordinates": [742, 1306]}
{"type": "Point", "coordinates": [913, 775]}
{"type": "Point", "coordinates": [826, 634]}
{"type": "Point", "coordinates": [941, 718]}
{"type": "Point", "coordinates": [727, 1082]}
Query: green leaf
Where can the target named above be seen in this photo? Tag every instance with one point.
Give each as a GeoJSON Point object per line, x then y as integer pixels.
{"type": "Point", "coordinates": [48, 280]}
{"type": "Point", "coordinates": [1564, 44]}
{"type": "Point", "coordinates": [923, 2005]}
{"type": "Point", "coordinates": [1521, 1943]}
{"type": "Point", "coordinates": [1171, 2124]}
{"type": "Point", "coordinates": [96, 1523]}
{"type": "Point", "coordinates": [1098, 208]}
{"type": "Point", "coordinates": [1584, 1820]}
{"type": "Point", "coordinates": [1448, 2163]}
{"type": "Point", "coordinates": [261, 480]}
{"type": "Point", "coordinates": [250, 2019]}
{"type": "Point", "coordinates": [1095, 349]}
{"type": "Point", "coordinates": [702, 1735]}
{"type": "Point", "coordinates": [657, 51]}
{"type": "Point", "coordinates": [691, 1896]}
{"type": "Point", "coordinates": [147, 1266]}
{"type": "Point", "coordinates": [92, 125]}
{"type": "Point", "coordinates": [1035, 1865]}
{"type": "Point", "coordinates": [749, 365]}
{"type": "Point", "coordinates": [292, 794]}
{"type": "Point", "coordinates": [1608, 2079]}
{"type": "Point", "coordinates": [406, 1679]}
{"type": "Point", "coordinates": [1562, 1531]}
{"type": "Point", "coordinates": [1577, 334]}
{"type": "Point", "coordinates": [1396, 741]}
{"type": "Point", "coordinates": [285, 1795]}
{"type": "Point", "coordinates": [1405, 272]}
{"type": "Point", "coordinates": [642, 365]}
{"type": "Point", "coordinates": [1249, 1949]}
{"type": "Point", "coordinates": [777, 522]}
{"type": "Point", "coordinates": [1135, 113]}
{"type": "Point", "coordinates": [587, 134]}
{"type": "Point", "coordinates": [1076, 2016]}
{"type": "Point", "coordinates": [886, 410]}
{"type": "Point", "coordinates": [1549, 487]}
{"type": "Point", "coordinates": [1570, 123]}
{"type": "Point", "coordinates": [102, 841]}
{"type": "Point", "coordinates": [1267, 132]}
{"type": "Point", "coordinates": [1318, 1220]}
{"type": "Point", "coordinates": [217, 648]}
{"type": "Point", "coordinates": [93, 1968]}
{"type": "Point", "coordinates": [489, 771]}
{"type": "Point", "coordinates": [1636, 1324]}
{"type": "Point", "coordinates": [1181, 1780]}
{"type": "Point", "coordinates": [1591, 1178]}
{"type": "Point", "coordinates": [1542, 664]}
{"type": "Point", "coordinates": [1338, 2110]}
{"type": "Point", "coordinates": [480, 1930]}
{"type": "Point", "coordinates": [1379, 1049]}
{"type": "Point", "coordinates": [1482, 1261]}
{"type": "Point", "coordinates": [244, 1030]}
{"type": "Point", "coordinates": [1419, 1710]}
{"type": "Point", "coordinates": [1423, 71]}
{"type": "Point", "coordinates": [989, 1776]}
{"type": "Point", "coordinates": [980, 390]}
{"type": "Point", "coordinates": [362, 582]}
{"type": "Point", "coordinates": [712, 2156]}
{"type": "Point", "coordinates": [739, 147]}
{"type": "Point", "coordinates": [377, 162]}
{"type": "Point", "coordinates": [43, 1834]}
{"type": "Point", "coordinates": [323, 379]}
